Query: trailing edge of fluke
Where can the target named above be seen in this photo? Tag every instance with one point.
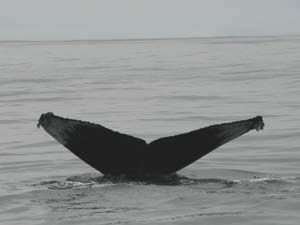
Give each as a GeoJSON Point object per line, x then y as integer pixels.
{"type": "Point", "coordinates": [114, 153]}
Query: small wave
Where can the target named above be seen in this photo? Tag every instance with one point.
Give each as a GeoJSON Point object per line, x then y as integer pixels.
{"type": "Point", "coordinates": [62, 185]}
{"type": "Point", "coordinates": [68, 185]}
{"type": "Point", "coordinates": [284, 185]}
{"type": "Point", "coordinates": [196, 97]}
{"type": "Point", "coordinates": [189, 216]}
{"type": "Point", "coordinates": [271, 180]}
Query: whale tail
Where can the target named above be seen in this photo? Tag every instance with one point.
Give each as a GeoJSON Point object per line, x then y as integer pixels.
{"type": "Point", "coordinates": [115, 153]}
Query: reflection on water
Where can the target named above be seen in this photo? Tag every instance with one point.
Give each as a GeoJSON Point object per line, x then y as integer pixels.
{"type": "Point", "coordinates": [99, 181]}
{"type": "Point", "coordinates": [135, 200]}
{"type": "Point", "coordinates": [167, 180]}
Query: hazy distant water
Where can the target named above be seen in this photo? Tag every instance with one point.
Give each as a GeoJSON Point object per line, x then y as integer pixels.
{"type": "Point", "coordinates": [150, 89]}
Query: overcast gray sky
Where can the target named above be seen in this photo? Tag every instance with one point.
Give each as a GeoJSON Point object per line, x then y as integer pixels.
{"type": "Point", "coordinates": [115, 19]}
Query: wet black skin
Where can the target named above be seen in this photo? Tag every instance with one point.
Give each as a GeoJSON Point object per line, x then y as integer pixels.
{"type": "Point", "coordinates": [114, 153]}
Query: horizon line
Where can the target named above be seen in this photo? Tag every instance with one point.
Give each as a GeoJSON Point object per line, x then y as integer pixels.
{"type": "Point", "coordinates": [148, 38]}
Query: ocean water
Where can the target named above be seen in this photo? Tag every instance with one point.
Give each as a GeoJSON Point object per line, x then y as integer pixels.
{"type": "Point", "coordinates": [152, 89]}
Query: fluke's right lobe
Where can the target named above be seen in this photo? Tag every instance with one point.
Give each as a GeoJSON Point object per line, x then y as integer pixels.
{"type": "Point", "coordinates": [170, 154]}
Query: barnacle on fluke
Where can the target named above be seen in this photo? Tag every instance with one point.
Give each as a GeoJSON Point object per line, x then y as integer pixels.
{"type": "Point", "coordinates": [114, 153]}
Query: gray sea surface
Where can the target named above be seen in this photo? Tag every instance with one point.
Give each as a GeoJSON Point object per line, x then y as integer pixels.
{"type": "Point", "coordinates": [152, 89]}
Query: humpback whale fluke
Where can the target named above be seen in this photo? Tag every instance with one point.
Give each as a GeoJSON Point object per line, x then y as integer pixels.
{"type": "Point", "coordinates": [114, 153]}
